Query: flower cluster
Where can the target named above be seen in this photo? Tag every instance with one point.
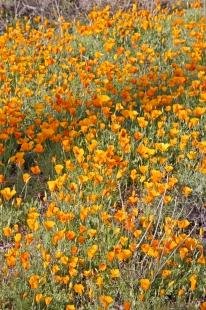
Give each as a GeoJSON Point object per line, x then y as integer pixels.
{"type": "Point", "coordinates": [103, 160]}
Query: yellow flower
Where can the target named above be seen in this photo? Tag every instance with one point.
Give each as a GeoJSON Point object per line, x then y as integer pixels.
{"type": "Point", "coordinates": [92, 251]}
{"type": "Point", "coordinates": [203, 306]}
{"type": "Point", "coordinates": [73, 272]}
{"type": "Point", "coordinates": [166, 273]}
{"type": "Point", "coordinates": [33, 224]}
{"type": "Point", "coordinates": [48, 300]}
{"type": "Point", "coordinates": [70, 307]}
{"type": "Point", "coordinates": [100, 100]}
{"type": "Point", "coordinates": [38, 297]}
{"type": "Point", "coordinates": [55, 269]}
{"type": "Point", "coordinates": [49, 224]}
{"type": "Point", "coordinates": [123, 240]}
{"type": "Point", "coordinates": [59, 168]}
{"type": "Point", "coordinates": [7, 231]}
{"type": "Point", "coordinates": [109, 44]}
{"type": "Point", "coordinates": [34, 281]}
{"type": "Point", "coordinates": [114, 273]}
{"type": "Point", "coordinates": [18, 201]}
{"type": "Point", "coordinates": [79, 289]}
{"type": "Point", "coordinates": [137, 233]}
{"type": "Point", "coordinates": [52, 185]}
{"type": "Point", "coordinates": [168, 168]}
{"type": "Point", "coordinates": [99, 281]}
{"type": "Point", "coordinates": [79, 154]}
{"type": "Point", "coordinates": [26, 177]}
{"type": "Point", "coordinates": [162, 292]}
{"type": "Point", "coordinates": [181, 292]}
{"type": "Point", "coordinates": [186, 191]}
{"type": "Point", "coordinates": [126, 253]}
{"type": "Point", "coordinates": [144, 284]}
{"type": "Point", "coordinates": [91, 232]}
{"type": "Point", "coordinates": [64, 260]}
{"type": "Point", "coordinates": [17, 237]}
{"type": "Point", "coordinates": [105, 300]}
{"type": "Point", "coordinates": [133, 174]}
{"type": "Point", "coordinates": [202, 260]}
{"type": "Point", "coordinates": [7, 193]}
{"type": "Point", "coordinates": [183, 224]}
{"type": "Point", "coordinates": [193, 282]}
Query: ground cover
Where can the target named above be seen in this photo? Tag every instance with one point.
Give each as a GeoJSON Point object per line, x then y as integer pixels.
{"type": "Point", "coordinates": [102, 158]}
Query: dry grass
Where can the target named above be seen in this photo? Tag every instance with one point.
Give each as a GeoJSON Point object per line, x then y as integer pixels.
{"type": "Point", "coordinates": [53, 9]}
